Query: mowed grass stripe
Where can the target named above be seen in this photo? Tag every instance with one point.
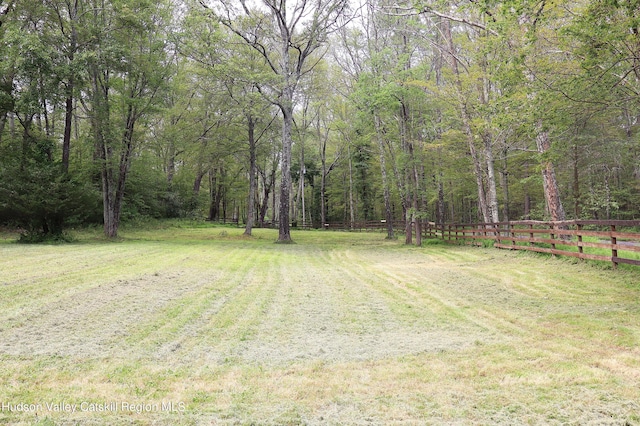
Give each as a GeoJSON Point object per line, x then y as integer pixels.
{"type": "Point", "coordinates": [363, 307]}
{"type": "Point", "coordinates": [408, 306]}
{"type": "Point", "coordinates": [485, 288]}
{"type": "Point", "coordinates": [31, 290]}
{"type": "Point", "coordinates": [208, 286]}
{"type": "Point", "coordinates": [453, 293]}
{"type": "Point", "coordinates": [222, 335]}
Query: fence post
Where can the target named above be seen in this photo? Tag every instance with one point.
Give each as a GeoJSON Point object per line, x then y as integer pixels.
{"type": "Point", "coordinates": [614, 250]}
{"type": "Point", "coordinates": [580, 248]}
{"type": "Point", "coordinates": [531, 243]}
{"type": "Point", "coordinates": [553, 237]}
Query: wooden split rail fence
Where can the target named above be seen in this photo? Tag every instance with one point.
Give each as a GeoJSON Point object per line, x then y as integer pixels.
{"type": "Point", "coordinates": [615, 241]}
{"type": "Point", "coordinates": [612, 241]}
{"type": "Point", "coordinates": [369, 225]}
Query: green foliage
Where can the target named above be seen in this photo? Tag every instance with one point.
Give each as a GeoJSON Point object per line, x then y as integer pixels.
{"type": "Point", "coordinates": [568, 68]}
{"type": "Point", "coordinates": [361, 157]}
{"type": "Point", "coordinates": [40, 200]}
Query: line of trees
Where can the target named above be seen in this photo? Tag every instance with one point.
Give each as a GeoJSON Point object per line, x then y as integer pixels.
{"type": "Point", "coordinates": [310, 111]}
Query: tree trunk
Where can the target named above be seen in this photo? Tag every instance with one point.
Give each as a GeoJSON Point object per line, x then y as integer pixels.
{"type": "Point", "coordinates": [113, 186]}
{"type": "Point", "coordinates": [385, 180]}
{"type": "Point", "coordinates": [550, 184]}
{"type": "Point", "coordinates": [267, 186]}
{"type": "Point", "coordinates": [323, 177]}
{"type": "Point", "coordinates": [3, 121]}
{"type": "Point", "coordinates": [323, 195]}
{"type": "Point", "coordinates": [68, 113]}
{"type": "Point", "coordinates": [301, 181]}
{"type": "Point", "coordinates": [197, 182]}
{"type": "Point", "coordinates": [101, 123]}
{"type": "Point", "coordinates": [214, 199]}
{"type": "Point", "coordinates": [171, 167]}
{"type": "Point", "coordinates": [466, 122]}
{"type": "Point", "coordinates": [251, 199]}
{"type": "Point", "coordinates": [284, 232]}
{"type": "Point", "coordinates": [264, 206]}
{"type": "Point", "coordinates": [492, 192]}
{"type": "Point", "coordinates": [505, 186]}
{"type": "Point", "coordinates": [576, 181]}
{"type": "Point", "coordinates": [66, 139]}
{"type": "Point", "coordinates": [352, 210]}
{"type": "Point", "coordinates": [108, 201]}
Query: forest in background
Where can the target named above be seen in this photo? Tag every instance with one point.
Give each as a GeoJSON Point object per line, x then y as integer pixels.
{"type": "Point", "coordinates": [314, 111]}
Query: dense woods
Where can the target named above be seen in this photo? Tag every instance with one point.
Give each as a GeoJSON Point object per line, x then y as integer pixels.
{"type": "Point", "coordinates": [279, 113]}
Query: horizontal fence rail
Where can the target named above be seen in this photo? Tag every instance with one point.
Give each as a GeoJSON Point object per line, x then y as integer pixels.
{"type": "Point", "coordinates": [368, 225]}
{"type": "Point", "coordinates": [613, 241]}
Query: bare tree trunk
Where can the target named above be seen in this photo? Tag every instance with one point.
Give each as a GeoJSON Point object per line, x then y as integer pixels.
{"type": "Point", "coordinates": [576, 181]}
{"type": "Point", "coordinates": [492, 192]}
{"type": "Point", "coordinates": [505, 185]}
{"type": "Point", "coordinates": [303, 172]}
{"type": "Point", "coordinates": [68, 113]}
{"type": "Point", "coordinates": [100, 121]}
{"type": "Point", "coordinates": [323, 195]}
{"type": "Point", "coordinates": [251, 199]}
{"type": "Point", "coordinates": [125, 164]}
{"type": "Point", "coordinates": [414, 178]}
{"type": "Point", "coordinates": [550, 184]}
{"type": "Point", "coordinates": [607, 189]}
{"type": "Point", "coordinates": [284, 232]}
{"type": "Point", "coordinates": [402, 188]}
{"type": "Point", "coordinates": [267, 185]}
{"type": "Point", "coordinates": [477, 168]}
{"type": "Point", "coordinates": [214, 200]}
{"type": "Point", "coordinates": [440, 213]}
{"type": "Point", "coordinates": [264, 202]}
{"type": "Point", "coordinates": [466, 122]}
{"type": "Point", "coordinates": [197, 182]}
{"type": "Point", "coordinates": [438, 177]}
{"type": "Point", "coordinates": [171, 164]}
{"type": "Point", "coordinates": [66, 138]}
{"type": "Point", "coordinates": [416, 219]}
{"type": "Point", "coordinates": [352, 212]}
{"type": "Point", "coordinates": [324, 172]}
{"type": "Point", "coordinates": [3, 122]}
{"type": "Point", "coordinates": [385, 180]}
{"type": "Point", "coordinates": [12, 125]}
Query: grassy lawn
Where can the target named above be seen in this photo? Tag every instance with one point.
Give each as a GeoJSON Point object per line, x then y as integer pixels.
{"type": "Point", "coordinates": [199, 325]}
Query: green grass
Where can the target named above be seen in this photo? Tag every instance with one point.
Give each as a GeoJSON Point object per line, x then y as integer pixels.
{"type": "Point", "coordinates": [339, 328]}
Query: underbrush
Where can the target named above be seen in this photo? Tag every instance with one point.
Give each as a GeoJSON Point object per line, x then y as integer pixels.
{"type": "Point", "coordinates": [35, 237]}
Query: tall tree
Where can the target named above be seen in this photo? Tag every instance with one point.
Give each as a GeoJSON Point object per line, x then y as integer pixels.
{"type": "Point", "coordinates": [66, 18]}
{"type": "Point", "coordinates": [127, 63]}
{"type": "Point", "coordinates": [287, 36]}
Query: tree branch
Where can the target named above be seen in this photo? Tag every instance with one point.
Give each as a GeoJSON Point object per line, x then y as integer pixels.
{"type": "Point", "coordinates": [6, 11]}
{"type": "Point", "coordinates": [407, 11]}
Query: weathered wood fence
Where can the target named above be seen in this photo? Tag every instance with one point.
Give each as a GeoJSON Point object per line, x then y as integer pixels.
{"type": "Point", "coordinates": [368, 225]}
{"type": "Point", "coordinates": [614, 241]}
